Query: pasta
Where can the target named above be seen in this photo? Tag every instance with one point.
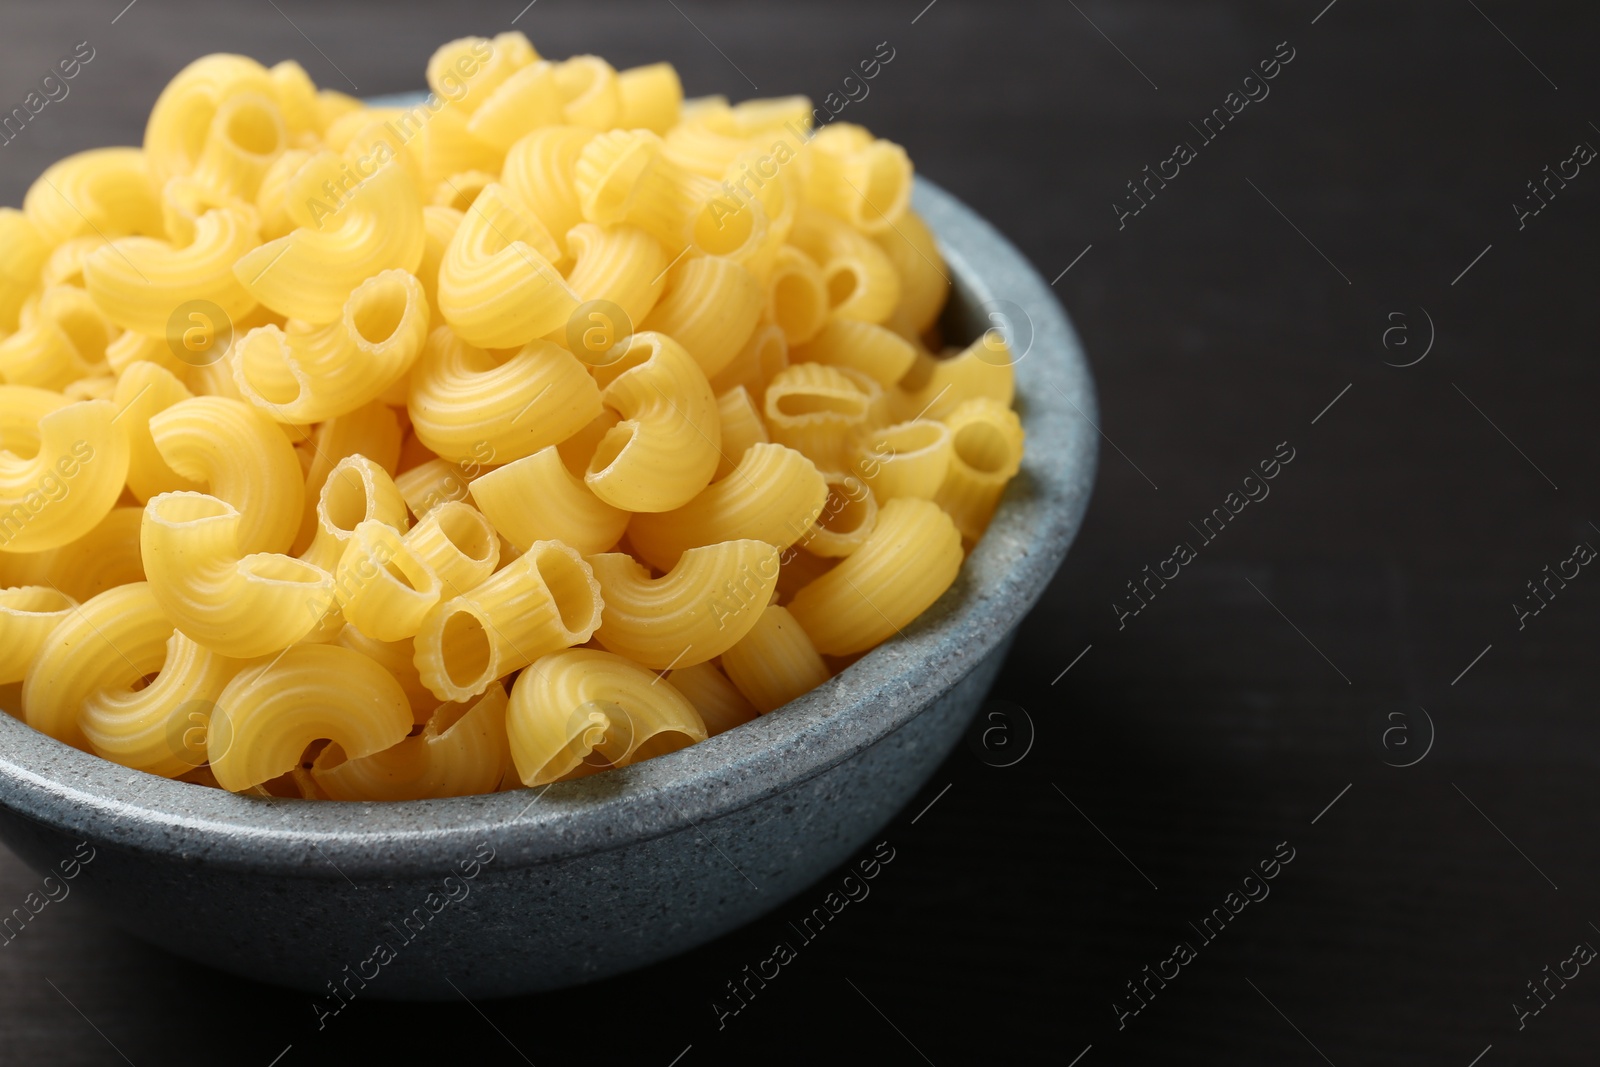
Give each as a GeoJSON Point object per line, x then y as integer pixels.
{"type": "Point", "coordinates": [547, 425]}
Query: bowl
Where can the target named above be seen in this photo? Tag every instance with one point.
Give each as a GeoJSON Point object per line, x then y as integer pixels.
{"type": "Point", "coordinates": [531, 890]}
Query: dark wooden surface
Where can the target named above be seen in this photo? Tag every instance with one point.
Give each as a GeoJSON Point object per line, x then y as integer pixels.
{"type": "Point", "coordinates": [1180, 750]}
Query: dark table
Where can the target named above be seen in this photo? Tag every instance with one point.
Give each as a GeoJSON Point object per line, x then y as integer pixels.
{"type": "Point", "coordinates": [1341, 271]}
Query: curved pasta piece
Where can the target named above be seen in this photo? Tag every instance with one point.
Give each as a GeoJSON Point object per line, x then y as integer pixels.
{"type": "Point", "coordinates": [819, 411]}
{"type": "Point", "coordinates": [244, 137]}
{"type": "Point", "coordinates": [537, 498]}
{"type": "Point", "coordinates": [741, 428]}
{"type": "Point", "coordinates": [159, 728]}
{"type": "Point", "coordinates": [665, 449]}
{"type": "Point", "coordinates": [861, 279]}
{"type": "Point", "coordinates": [907, 459]}
{"type": "Point", "coordinates": [762, 359]}
{"type": "Point", "coordinates": [693, 613]}
{"type": "Point", "coordinates": [384, 588]}
{"type": "Point", "coordinates": [864, 180]}
{"type": "Point", "coordinates": [242, 457]}
{"type": "Point", "coordinates": [175, 135]}
{"type": "Point", "coordinates": [527, 100]}
{"type": "Point", "coordinates": [462, 750]}
{"type": "Point", "coordinates": [106, 192]}
{"type": "Point", "coordinates": [296, 94]}
{"type": "Point", "coordinates": [309, 273]}
{"type": "Point", "coordinates": [357, 490]}
{"type": "Point", "coordinates": [314, 373]}
{"type": "Point", "coordinates": [77, 451]}
{"type": "Point", "coordinates": [881, 354]}
{"type": "Point", "coordinates": [267, 715]}
{"type": "Point", "coordinates": [773, 495]}
{"type": "Point", "coordinates": [651, 98]}
{"type": "Point", "coordinates": [583, 710]}
{"type": "Point", "coordinates": [719, 702]}
{"type": "Point", "coordinates": [64, 341]}
{"type": "Point", "coordinates": [775, 662]}
{"type": "Point", "coordinates": [924, 280]}
{"type": "Point", "coordinates": [459, 192]}
{"type": "Point", "coordinates": [909, 561]}
{"type": "Point", "coordinates": [712, 134]}
{"type": "Point", "coordinates": [589, 92]}
{"type": "Point", "coordinates": [108, 643]}
{"type": "Point", "coordinates": [986, 453]}
{"type": "Point", "coordinates": [465, 400]}
{"type": "Point", "coordinates": [23, 252]}
{"type": "Point", "coordinates": [144, 390]}
{"type": "Point", "coordinates": [398, 658]}
{"type": "Point", "coordinates": [545, 600]}
{"type": "Point", "coordinates": [27, 615]}
{"type": "Point", "coordinates": [372, 431]}
{"type": "Point", "coordinates": [435, 482]}
{"type": "Point", "coordinates": [540, 172]}
{"type": "Point", "coordinates": [846, 521]}
{"type": "Point", "coordinates": [487, 62]}
{"type": "Point", "coordinates": [933, 388]}
{"type": "Point", "coordinates": [710, 307]}
{"type": "Point", "coordinates": [498, 287]}
{"type": "Point", "coordinates": [105, 557]}
{"type": "Point", "coordinates": [234, 604]}
{"type": "Point", "coordinates": [797, 296]}
{"type": "Point", "coordinates": [458, 544]}
{"type": "Point", "coordinates": [138, 281]}
{"type": "Point", "coordinates": [622, 264]}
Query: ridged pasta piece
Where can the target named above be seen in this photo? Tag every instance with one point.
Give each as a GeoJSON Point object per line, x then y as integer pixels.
{"type": "Point", "coordinates": [242, 457]}
{"type": "Point", "coordinates": [537, 498]}
{"type": "Point", "coordinates": [398, 658]}
{"type": "Point", "coordinates": [108, 643]}
{"type": "Point", "coordinates": [296, 94]}
{"type": "Point", "coordinates": [272, 198]}
{"type": "Point", "coordinates": [986, 453]}
{"type": "Point", "coordinates": [431, 484]}
{"type": "Point", "coordinates": [820, 411]}
{"type": "Point", "coordinates": [589, 91]}
{"type": "Point", "coordinates": [763, 357]}
{"type": "Point", "coordinates": [861, 279]}
{"type": "Point", "coordinates": [138, 281]}
{"type": "Point", "coordinates": [693, 613]}
{"type": "Point", "coordinates": [652, 98]}
{"type": "Point", "coordinates": [775, 662]}
{"type": "Point", "coordinates": [710, 307]}
{"type": "Point", "coordinates": [27, 615]}
{"type": "Point", "coordinates": [159, 727]}
{"type": "Point", "coordinates": [742, 427]}
{"type": "Point", "coordinates": [244, 137]}
{"type": "Point", "coordinates": [712, 134]}
{"type": "Point", "coordinates": [864, 180]}
{"type": "Point", "coordinates": [622, 264]}
{"type": "Point", "coordinates": [527, 100]}
{"type": "Point", "coordinates": [540, 172]}
{"type": "Point", "coordinates": [357, 490]}
{"type": "Point", "coordinates": [440, 224]}
{"type": "Point", "coordinates": [314, 373]}
{"type": "Point", "coordinates": [465, 399]}
{"type": "Point", "coordinates": [584, 710]}
{"type": "Point", "coordinates": [75, 451]}
{"type": "Point", "coordinates": [924, 279]}
{"type": "Point", "coordinates": [62, 340]}
{"type": "Point", "coordinates": [175, 135]}
{"type": "Point", "coordinates": [774, 495]}
{"type": "Point", "coordinates": [908, 459]}
{"type": "Point", "coordinates": [310, 273]}
{"type": "Point", "coordinates": [462, 751]}
{"type": "Point", "coordinates": [909, 561]}
{"type": "Point", "coordinates": [105, 557]}
{"type": "Point", "coordinates": [881, 354]}
{"type": "Point", "coordinates": [845, 522]}
{"type": "Point", "coordinates": [443, 144]}
{"type": "Point", "coordinates": [665, 449]}
{"type": "Point", "coordinates": [498, 287]}
{"type": "Point", "coordinates": [933, 388]}
{"type": "Point", "coordinates": [107, 192]}
{"type": "Point", "coordinates": [458, 544]}
{"type": "Point", "coordinates": [143, 390]}
{"type": "Point", "coordinates": [459, 192]}
{"type": "Point", "coordinates": [468, 70]}
{"type": "Point", "coordinates": [22, 254]}
{"type": "Point", "coordinates": [371, 431]}
{"type": "Point", "coordinates": [797, 296]}
{"type": "Point", "coordinates": [719, 702]}
{"type": "Point", "coordinates": [267, 715]}
{"type": "Point", "coordinates": [545, 600]}
{"type": "Point", "coordinates": [385, 589]}
{"type": "Point", "coordinates": [235, 604]}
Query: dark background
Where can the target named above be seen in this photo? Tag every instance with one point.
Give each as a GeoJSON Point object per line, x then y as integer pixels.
{"type": "Point", "coordinates": [1226, 716]}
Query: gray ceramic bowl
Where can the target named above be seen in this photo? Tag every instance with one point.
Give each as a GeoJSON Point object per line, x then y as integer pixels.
{"type": "Point", "coordinates": [598, 876]}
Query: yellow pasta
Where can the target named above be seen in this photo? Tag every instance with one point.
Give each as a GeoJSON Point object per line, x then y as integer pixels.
{"type": "Point", "coordinates": [584, 710]}
{"type": "Point", "coordinates": [462, 750]}
{"type": "Point", "coordinates": [773, 495]}
{"type": "Point", "coordinates": [762, 359]}
{"type": "Point", "coordinates": [27, 615]}
{"type": "Point", "coordinates": [144, 390]}
{"type": "Point", "coordinates": [846, 521]}
{"type": "Point", "coordinates": [537, 498]}
{"type": "Point", "coordinates": [741, 427]}
{"type": "Point", "coordinates": [924, 279]}
{"type": "Point", "coordinates": [22, 253]}
{"type": "Point", "coordinates": [104, 558]}
{"type": "Point", "coordinates": [138, 281]}
{"type": "Point", "coordinates": [693, 613]}
{"type": "Point", "coordinates": [819, 411]}
{"type": "Point", "coordinates": [175, 136]}
{"type": "Point", "coordinates": [719, 702]}
{"type": "Point", "coordinates": [498, 287]}
{"type": "Point", "coordinates": [152, 728]}
{"type": "Point", "coordinates": [235, 604]}
{"type": "Point", "coordinates": [907, 459]}
{"type": "Point", "coordinates": [357, 490]}
{"type": "Point", "coordinates": [78, 453]}
{"type": "Point", "coordinates": [775, 662]}
{"type": "Point", "coordinates": [546, 600]}
{"type": "Point", "coordinates": [881, 354]}
{"type": "Point", "coordinates": [986, 453]}
{"type": "Point", "coordinates": [860, 278]}
{"type": "Point", "coordinates": [527, 100]}
{"type": "Point", "coordinates": [64, 339]}
{"type": "Point", "coordinates": [710, 308]}
{"type": "Point", "coordinates": [651, 98]}
{"type": "Point", "coordinates": [540, 171]}
{"type": "Point", "coordinates": [399, 659]}
{"type": "Point", "coordinates": [107, 192]}
{"type": "Point", "coordinates": [267, 715]}
{"type": "Point", "coordinates": [457, 544]}
{"type": "Point", "coordinates": [797, 296]}
{"type": "Point", "coordinates": [908, 562]}
{"type": "Point", "coordinates": [863, 180]}
{"type": "Point", "coordinates": [314, 373]}
{"type": "Point", "coordinates": [621, 264]}
{"type": "Point", "coordinates": [933, 388]}
{"type": "Point", "coordinates": [385, 589]}
{"type": "Point", "coordinates": [372, 432]}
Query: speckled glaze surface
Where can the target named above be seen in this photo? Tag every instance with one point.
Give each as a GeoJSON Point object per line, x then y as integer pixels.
{"type": "Point", "coordinates": [619, 870]}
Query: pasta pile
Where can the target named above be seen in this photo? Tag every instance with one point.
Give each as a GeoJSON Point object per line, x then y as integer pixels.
{"type": "Point", "coordinates": [552, 424]}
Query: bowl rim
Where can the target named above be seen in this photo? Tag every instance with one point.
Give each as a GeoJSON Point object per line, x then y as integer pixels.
{"type": "Point", "coordinates": [85, 796]}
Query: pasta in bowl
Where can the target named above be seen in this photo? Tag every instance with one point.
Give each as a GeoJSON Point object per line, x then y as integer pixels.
{"type": "Point", "coordinates": [546, 426]}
